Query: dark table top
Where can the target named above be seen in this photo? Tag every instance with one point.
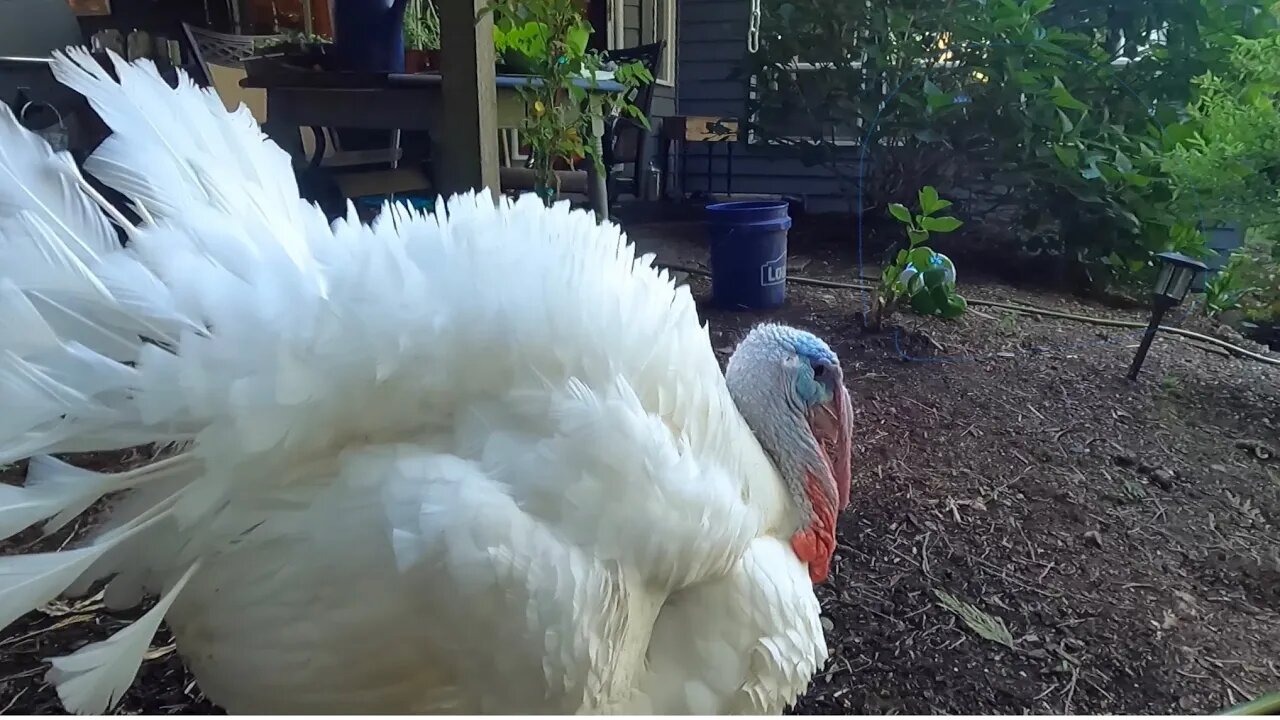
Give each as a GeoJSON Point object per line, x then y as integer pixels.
{"type": "Point", "coordinates": [268, 73]}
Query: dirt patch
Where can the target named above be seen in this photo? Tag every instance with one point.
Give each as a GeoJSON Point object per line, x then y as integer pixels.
{"type": "Point", "coordinates": [1124, 534]}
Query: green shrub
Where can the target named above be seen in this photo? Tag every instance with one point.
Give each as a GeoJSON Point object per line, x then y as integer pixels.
{"type": "Point", "coordinates": [1015, 96]}
{"type": "Point", "coordinates": [1229, 166]}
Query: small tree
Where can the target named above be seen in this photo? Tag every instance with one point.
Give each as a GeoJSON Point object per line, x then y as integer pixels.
{"type": "Point", "coordinates": [552, 37]}
{"type": "Point", "coordinates": [924, 278]}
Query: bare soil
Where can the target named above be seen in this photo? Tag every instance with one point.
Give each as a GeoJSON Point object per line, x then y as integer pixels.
{"type": "Point", "coordinates": [1126, 536]}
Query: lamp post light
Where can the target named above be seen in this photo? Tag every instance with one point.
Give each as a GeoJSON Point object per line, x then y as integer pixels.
{"type": "Point", "coordinates": [1177, 272]}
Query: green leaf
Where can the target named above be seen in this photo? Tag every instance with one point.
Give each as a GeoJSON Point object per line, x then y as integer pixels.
{"type": "Point", "coordinates": [923, 303]}
{"type": "Point", "coordinates": [955, 307]}
{"type": "Point", "coordinates": [917, 236]}
{"type": "Point", "coordinates": [1067, 125]}
{"type": "Point", "coordinates": [929, 200]}
{"type": "Point", "coordinates": [576, 40]}
{"type": "Point", "coordinates": [944, 224]}
{"type": "Point", "coordinates": [1067, 155]}
{"type": "Point", "coordinates": [941, 296]}
{"type": "Point", "coordinates": [1063, 97]}
{"type": "Point", "coordinates": [921, 258]}
{"type": "Point", "coordinates": [1123, 164]}
{"type": "Point", "coordinates": [935, 277]}
{"type": "Point", "coordinates": [901, 260]}
{"type": "Point", "coordinates": [890, 276]}
{"type": "Point", "coordinates": [936, 102]}
{"type": "Point", "coordinates": [900, 212]}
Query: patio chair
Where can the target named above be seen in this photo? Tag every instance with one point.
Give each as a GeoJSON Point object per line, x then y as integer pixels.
{"type": "Point", "coordinates": [624, 139]}
{"type": "Point", "coordinates": [220, 57]}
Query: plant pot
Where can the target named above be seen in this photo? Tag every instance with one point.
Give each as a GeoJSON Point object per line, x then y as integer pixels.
{"type": "Point", "coordinates": [432, 59]}
{"type": "Point", "coordinates": [415, 61]}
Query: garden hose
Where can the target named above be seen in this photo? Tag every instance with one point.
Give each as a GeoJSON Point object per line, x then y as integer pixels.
{"type": "Point", "coordinates": [1233, 349]}
{"type": "Point", "coordinates": [1266, 705]}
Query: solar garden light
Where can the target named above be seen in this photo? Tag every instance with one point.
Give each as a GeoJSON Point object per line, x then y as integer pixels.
{"type": "Point", "coordinates": [1177, 272]}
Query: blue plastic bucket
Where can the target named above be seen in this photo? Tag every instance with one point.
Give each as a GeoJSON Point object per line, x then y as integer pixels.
{"type": "Point", "coordinates": [748, 254]}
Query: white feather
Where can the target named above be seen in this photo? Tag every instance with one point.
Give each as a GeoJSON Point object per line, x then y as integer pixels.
{"type": "Point", "coordinates": [91, 679]}
{"type": "Point", "coordinates": [29, 581]}
{"type": "Point", "coordinates": [419, 456]}
{"type": "Point", "coordinates": [52, 488]}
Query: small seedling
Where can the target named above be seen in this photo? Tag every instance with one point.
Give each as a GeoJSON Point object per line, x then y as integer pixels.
{"type": "Point", "coordinates": [1008, 323]}
{"type": "Point", "coordinates": [923, 278]}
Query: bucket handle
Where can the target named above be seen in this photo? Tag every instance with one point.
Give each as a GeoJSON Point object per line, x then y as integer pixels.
{"type": "Point", "coordinates": [22, 114]}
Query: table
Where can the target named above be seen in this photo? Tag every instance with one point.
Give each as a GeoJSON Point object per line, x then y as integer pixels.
{"type": "Point", "coordinates": [302, 97]}
{"type": "Point", "coordinates": [708, 129]}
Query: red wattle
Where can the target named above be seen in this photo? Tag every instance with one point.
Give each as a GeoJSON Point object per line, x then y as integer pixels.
{"type": "Point", "coordinates": [815, 543]}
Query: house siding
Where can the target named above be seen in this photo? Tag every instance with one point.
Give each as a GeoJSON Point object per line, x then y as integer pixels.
{"type": "Point", "coordinates": [712, 40]}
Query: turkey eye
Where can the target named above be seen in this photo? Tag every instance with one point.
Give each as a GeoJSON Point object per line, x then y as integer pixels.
{"type": "Point", "coordinates": [819, 371]}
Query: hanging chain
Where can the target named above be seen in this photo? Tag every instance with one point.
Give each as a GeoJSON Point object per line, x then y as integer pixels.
{"type": "Point", "coordinates": [753, 30]}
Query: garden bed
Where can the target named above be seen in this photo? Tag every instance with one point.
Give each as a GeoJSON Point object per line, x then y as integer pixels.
{"type": "Point", "coordinates": [1125, 534]}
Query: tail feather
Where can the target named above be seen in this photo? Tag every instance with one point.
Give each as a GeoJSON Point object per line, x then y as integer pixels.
{"type": "Point", "coordinates": [58, 491]}
{"type": "Point", "coordinates": [43, 188]}
{"type": "Point", "coordinates": [30, 581]}
{"type": "Point", "coordinates": [178, 149]}
{"type": "Point", "coordinates": [93, 678]}
{"type": "Point", "coordinates": [54, 490]}
{"type": "Point", "coordinates": [90, 328]}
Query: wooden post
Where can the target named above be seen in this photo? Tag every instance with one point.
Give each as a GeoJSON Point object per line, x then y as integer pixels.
{"type": "Point", "coordinates": [467, 141]}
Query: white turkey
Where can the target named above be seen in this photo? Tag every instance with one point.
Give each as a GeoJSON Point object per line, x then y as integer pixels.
{"type": "Point", "coordinates": [483, 461]}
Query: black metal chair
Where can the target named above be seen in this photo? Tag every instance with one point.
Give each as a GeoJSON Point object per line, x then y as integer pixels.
{"type": "Point", "coordinates": [626, 139]}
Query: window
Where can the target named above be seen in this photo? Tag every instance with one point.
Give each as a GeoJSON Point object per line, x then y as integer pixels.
{"type": "Point", "coordinates": [808, 79]}
{"type": "Point", "coordinates": [658, 24]}
{"type": "Point", "coordinates": [810, 85]}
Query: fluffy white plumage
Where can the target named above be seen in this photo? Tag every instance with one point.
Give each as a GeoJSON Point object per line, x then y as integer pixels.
{"type": "Point", "coordinates": [483, 461]}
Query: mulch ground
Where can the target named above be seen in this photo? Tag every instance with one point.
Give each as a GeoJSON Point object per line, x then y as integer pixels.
{"type": "Point", "coordinates": [1029, 531]}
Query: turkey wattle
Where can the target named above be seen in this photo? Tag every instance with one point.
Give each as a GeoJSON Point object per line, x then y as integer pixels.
{"type": "Point", "coordinates": [483, 461]}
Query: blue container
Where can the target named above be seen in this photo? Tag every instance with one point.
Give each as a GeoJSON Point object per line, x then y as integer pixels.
{"type": "Point", "coordinates": [1223, 240]}
{"type": "Point", "coordinates": [368, 35]}
{"type": "Point", "coordinates": [748, 254]}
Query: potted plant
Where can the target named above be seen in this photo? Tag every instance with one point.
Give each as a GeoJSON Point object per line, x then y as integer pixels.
{"type": "Point", "coordinates": [421, 36]}
{"type": "Point", "coordinates": [550, 38]}
{"type": "Point", "coordinates": [294, 43]}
